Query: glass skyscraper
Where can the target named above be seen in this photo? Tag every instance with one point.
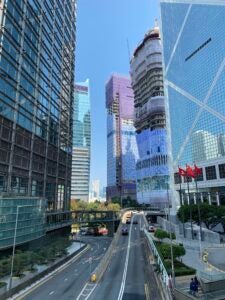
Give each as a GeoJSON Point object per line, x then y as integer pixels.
{"type": "Point", "coordinates": [194, 57]}
{"type": "Point", "coordinates": [122, 151]}
{"type": "Point", "coordinates": [150, 121]}
{"type": "Point", "coordinates": [81, 142]}
{"type": "Point", "coordinates": [36, 97]}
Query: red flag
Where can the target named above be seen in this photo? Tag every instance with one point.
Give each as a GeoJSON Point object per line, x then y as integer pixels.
{"type": "Point", "coordinates": [197, 170]}
{"type": "Point", "coordinates": [181, 172]}
{"type": "Point", "coordinates": [190, 172]}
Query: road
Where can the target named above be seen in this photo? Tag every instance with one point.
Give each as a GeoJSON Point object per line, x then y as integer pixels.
{"type": "Point", "coordinates": [67, 284]}
{"type": "Point", "coordinates": [128, 276]}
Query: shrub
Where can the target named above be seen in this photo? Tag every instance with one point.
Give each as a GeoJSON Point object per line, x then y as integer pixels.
{"type": "Point", "coordinates": [2, 284]}
{"type": "Point", "coordinates": [165, 250]}
{"type": "Point", "coordinates": [162, 234]}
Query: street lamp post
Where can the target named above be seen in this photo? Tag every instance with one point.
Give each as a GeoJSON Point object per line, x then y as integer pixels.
{"type": "Point", "coordinates": [171, 244]}
{"type": "Point", "coordinates": [14, 243]}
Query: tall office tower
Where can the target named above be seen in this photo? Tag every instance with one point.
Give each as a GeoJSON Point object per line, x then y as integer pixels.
{"type": "Point", "coordinates": [95, 189]}
{"type": "Point", "coordinates": [204, 146]}
{"type": "Point", "coordinates": [121, 143]}
{"type": "Point", "coordinates": [81, 143]}
{"type": "Point", "coordinates": [36, 97]}
{"type": "Point", "coordinates": [150, 121]}
{"type": "Point", "coordinates": [194, 57]}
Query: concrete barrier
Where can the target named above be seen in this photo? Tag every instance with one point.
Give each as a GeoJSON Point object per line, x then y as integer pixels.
{"type": "Point", "coordinates": [212, 286]}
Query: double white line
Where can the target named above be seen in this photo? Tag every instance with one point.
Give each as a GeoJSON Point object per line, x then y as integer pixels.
{"type": "Point", "coordinates": [125, 267]}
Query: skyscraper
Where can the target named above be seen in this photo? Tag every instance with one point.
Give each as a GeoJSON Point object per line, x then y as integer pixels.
{"type": "Point", "coordinates": [36, 96]}
{"type": "Point", "coordinates": [81, 142]}
{"type": "Point", "coordinates": [194, 57]}
{"type": "Point", "coordinates": [95, 189]}
{"type": "Point", "coordinates": [150, 120]}
{"type": "Point", "coordinates": [121, 143]}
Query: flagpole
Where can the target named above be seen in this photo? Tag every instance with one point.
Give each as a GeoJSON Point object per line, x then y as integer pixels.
{"type": "Point", "coordinates": [199, 216]}
{"type": "Point", "coordinates": [190, 206]}
{"type": "Point", "coordinates": [182, 204]}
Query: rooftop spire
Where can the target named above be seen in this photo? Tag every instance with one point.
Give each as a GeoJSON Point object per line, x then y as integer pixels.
{"type": "Point", "coordinates": [156, 23]}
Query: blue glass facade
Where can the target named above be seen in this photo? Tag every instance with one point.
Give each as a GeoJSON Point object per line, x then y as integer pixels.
{"type": "Point", "coordinates": [81, 142]}
{"type": "Point", "coordinates": [152, 171]}
{"type": "Point", "coordinates": [81, 115]}
{"type": "Point", "coordinates": [36, 97]}
{"type": "Point", "coordinates": [31, 220]}
{"type": "Point", "coordinates": [193, 35]}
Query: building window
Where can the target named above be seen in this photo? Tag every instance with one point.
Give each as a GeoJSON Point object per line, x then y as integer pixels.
{"type": "Point", "coordinates": [222, 170]}
{"type": "Point", "coordinates": [177, 178]}
{"type": "Point", "coordinates": [210, 173]}
{"type": "Point", "coordinates": [200, 177]}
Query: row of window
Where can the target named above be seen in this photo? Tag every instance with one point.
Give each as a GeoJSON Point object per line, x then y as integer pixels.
{"type": "Point", "coordinates": [210, 174]}
{"type": "Point", "coordinates": [157, 160]}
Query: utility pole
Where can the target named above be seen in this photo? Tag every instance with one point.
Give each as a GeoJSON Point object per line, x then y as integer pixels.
{"type": "Point", "coordinates": [171, 244]}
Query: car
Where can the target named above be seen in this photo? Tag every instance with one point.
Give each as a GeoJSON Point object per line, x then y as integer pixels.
{"type": "Point", "coordinates": [151, 228]}
{"type": "Point", "coordinates": [128, 221]}
{"type": "Point", "coordinates": [135, 222]}
{"type": "Point", "coordinates": [124, 231]}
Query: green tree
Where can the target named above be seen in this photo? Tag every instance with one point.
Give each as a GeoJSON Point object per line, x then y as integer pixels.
{"type": "Point", "coordinates": [78, 205]}
{"type": "Point", "coordinates": [162, 234]}
{"type": "Point", "coordinates": [210, 214]}
{"type": "Point", "coordinates": [165, 250]}
{"type": "Point", "coordinates": [113, 206]}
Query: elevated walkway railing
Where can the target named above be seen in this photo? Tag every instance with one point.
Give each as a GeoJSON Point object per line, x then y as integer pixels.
{"type": "Point", "coordinates": [165, 276]}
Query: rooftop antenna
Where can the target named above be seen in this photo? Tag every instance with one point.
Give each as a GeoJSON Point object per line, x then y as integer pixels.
{"type": "Point", "coordinates": [156, 22]}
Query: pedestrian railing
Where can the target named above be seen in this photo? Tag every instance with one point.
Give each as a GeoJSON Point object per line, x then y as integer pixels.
{"type": "Point", "coordinates": [165, 276]}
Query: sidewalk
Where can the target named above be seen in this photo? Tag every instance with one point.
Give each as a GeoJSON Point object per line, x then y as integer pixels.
{"type": "Point", "coordinates": [193, 260]}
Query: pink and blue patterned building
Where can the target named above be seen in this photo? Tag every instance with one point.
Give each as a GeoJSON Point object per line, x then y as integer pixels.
{"type": "Point", "coordinates": [122, 151]}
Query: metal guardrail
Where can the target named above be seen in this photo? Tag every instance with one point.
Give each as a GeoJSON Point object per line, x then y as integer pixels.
{"type": "Point", "coordinates": [165, 276]}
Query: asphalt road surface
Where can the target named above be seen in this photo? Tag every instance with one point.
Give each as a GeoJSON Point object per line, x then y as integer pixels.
{"type": "Point", "coordinates": [129, 275]}
{"type": "Point", "coordinates": [67, 284]}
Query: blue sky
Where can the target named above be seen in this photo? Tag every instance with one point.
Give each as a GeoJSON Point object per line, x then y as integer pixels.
{"type": "Point", "coordinates": [103, 28]}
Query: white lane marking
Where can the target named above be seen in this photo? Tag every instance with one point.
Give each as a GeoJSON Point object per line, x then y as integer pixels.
{"type": "Point", "coordinates": [125, 268]}
{"type": "Point", "coordinates": [52, 292]}
{"type": "Point", "coordinates": [22, 294]}
{"type": "Point", "coordinates": [86, 291]}
{"type": "Point", "coordinates": [65, 279]}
